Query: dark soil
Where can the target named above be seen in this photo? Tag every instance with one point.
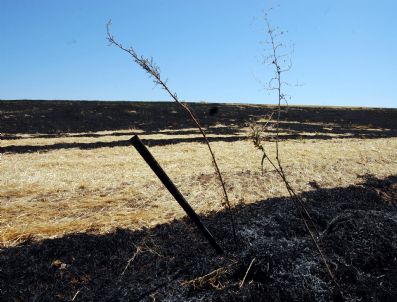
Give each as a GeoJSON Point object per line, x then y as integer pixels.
{"type": "Point", "coordinates": [172, 262]}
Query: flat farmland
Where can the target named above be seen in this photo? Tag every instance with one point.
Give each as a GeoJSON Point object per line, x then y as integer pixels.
{"type": "Point", "coordinates": [69, 176]}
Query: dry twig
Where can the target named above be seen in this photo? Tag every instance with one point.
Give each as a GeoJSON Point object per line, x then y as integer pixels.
{"type": "Point", "coordinates": [276, 84]}
{"type": "Point", "coordinates": [246, 273]}
{"type": "Point", "coordinates": [136, 253]}
{"type": "Point", "coordinates": [75, 295]}
{"type": "Point", "coordinates": [154, 72]}
{"type": "Point", "coordinates": [210, 279]}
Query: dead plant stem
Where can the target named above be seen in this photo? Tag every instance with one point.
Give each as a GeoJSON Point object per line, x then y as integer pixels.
{"type": "Point", "coordinates": [279, 167]}
{"type": "Point", "coordinates": [154, 72]}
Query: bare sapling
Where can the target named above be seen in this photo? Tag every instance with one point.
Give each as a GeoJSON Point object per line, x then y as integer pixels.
{"type": "Point", "coordinates": [148, 65]}
{"type": "Point", "coordinates": [281, 63]}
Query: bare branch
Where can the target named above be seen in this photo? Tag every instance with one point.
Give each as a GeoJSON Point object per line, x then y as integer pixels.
{"type": "Point", "coordinates": [153, 70]}
{"type": "Point", "coordinates": [276, 84]}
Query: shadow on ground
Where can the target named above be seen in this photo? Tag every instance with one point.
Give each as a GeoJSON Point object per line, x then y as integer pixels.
{"type": "Point", "coordinates": [358, 227]}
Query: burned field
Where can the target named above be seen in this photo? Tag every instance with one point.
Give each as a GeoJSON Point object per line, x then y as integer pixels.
{"type": "Point", "coordinates": [83, 217]}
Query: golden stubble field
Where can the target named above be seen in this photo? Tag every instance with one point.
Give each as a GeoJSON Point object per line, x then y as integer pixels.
{"type": "Point", "coordinates": [94, 182]}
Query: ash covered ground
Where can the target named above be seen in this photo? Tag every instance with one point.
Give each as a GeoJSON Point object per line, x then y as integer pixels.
{"type": "Point", "coordinates": [172, 262]}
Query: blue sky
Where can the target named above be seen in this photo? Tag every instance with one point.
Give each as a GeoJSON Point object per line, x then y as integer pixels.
{"type": "Point", "coordinates": [344, 51]}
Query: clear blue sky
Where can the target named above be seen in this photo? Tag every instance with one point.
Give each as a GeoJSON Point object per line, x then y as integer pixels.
{"type": "Point", "coordinates": [345, 51]}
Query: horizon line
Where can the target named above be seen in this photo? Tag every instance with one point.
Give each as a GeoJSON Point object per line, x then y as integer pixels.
{"type": "Point", "coordinates": [197, 102]}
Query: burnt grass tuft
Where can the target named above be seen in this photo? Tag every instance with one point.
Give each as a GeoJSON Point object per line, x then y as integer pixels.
{"type": "Point", "coordinates": [172, 262]}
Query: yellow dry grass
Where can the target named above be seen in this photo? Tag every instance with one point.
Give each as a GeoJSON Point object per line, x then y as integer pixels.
{"type": "Point", "coordinates": [50, 194]}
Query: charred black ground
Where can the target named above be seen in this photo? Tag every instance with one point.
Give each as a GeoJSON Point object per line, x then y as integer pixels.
{"type": "Point", "coordinates": [55, 118]}
{"type": "Point", "coordinates": [173, 262]}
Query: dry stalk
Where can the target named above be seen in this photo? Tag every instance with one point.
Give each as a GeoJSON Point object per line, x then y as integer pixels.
{"type": "Point", "coordinates": [136, 253]}
{"type": "Point", "coordinates": [276, 84]}
{"type": "Point", "coordinates": [246, 273]}
{"type": "Point", "coordinates": [210, 279]}
{"type": "Point", "coordinates": [153, 70]}
{"type": "Point", "coordinates": [75, 295]}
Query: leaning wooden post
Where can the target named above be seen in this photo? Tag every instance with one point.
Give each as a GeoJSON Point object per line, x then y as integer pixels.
{"type": "Point", "coordinates": [148, 157]}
